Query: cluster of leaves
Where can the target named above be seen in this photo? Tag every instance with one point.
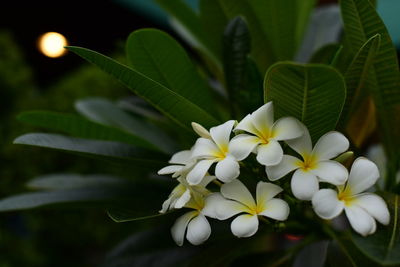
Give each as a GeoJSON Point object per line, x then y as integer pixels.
{"type": "Point", "coordinates": [351, 86]}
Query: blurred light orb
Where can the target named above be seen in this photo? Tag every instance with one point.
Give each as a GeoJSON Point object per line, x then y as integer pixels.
{"type": "Point", "coordinates": [51, 44]}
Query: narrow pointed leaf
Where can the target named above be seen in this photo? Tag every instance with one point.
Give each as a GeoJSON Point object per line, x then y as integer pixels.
{"type": "Point", "coordinates": [187, 23]}
{"type": "Point", "coordinates": [61, 181]}
{"type": "Point", "coordinates": [107, 113]}
{"type": "Point", "coordinates": [236, 48]}
{"type": "Point", "coordinates": [40, 199]}
{"type": "Point", "coordinates": [276, 26]}
{"type": "Point", "coordinates": [325, 54]}
{"type": "Point", "coordinates": [80, 127]}
{"type": "Point", "coordinates": [357, 75]}
{"type": "Point", "coordinates": [173, 105]}
{"type": "Point", "coordinates": [213, 20]}
{"type": "Point", "coordinates": [361, 22]}
{"type": "Point", "coordinates": [161, 58]}
{"type": "Point", "coordinates": [261, 50]}
{"type": "Point", "coordinates": [312, 93]}
{"type": "Point", "coordinates": [105, 150]}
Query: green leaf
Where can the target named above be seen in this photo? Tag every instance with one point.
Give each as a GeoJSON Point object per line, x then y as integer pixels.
{"type": "Point", "coordinates": [312, 93]}
{"type": "Point", "coordinates": [187, 23]}
{"type": "Point", "coordinates": [384, 246]}
{"type": "Point", "coordinates": [40, 199]}
{"type": "Point", "coordinates": [357, 74]}
{"type": "Point", "coordinates": [61, 181]}
{"type": "Point", "coordinates": [174, 106]}
{"type": "Point", "coordinates": [261, 48]}
{"type": "Point", "coordinates": [213, 21]}
{"type": "Point", "coordinates": [325, 54]}
{"type": "Point", "coordinates": [81, 127]}
{"type": "Point", "coordinates": [158, 56]}
{"type": "Point", "coordinates": [276, 26]}
{"type": "Point", "coordinates": [107, 113]}
{"type": "Point", "coordinates": [236, 48]}
{"type": "Point", "coordinates": [361, 22]}
{"type": "Point", "coordinates": [303, 10]}
{"type": "Point", "coordinates": [105, 150]}
{"type": "Point", "coordinates": [105, 191]}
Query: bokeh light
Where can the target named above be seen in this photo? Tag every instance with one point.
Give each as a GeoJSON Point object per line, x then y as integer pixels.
{"type": "Point", "coordinates": [51, 44]}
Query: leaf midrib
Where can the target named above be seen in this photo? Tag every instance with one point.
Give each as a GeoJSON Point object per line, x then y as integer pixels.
{"type": "Point", "coordinates": [305, 95]}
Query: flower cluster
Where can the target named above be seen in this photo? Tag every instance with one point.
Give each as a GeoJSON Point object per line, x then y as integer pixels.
{"type": "Point", "coordinates": [259, 134]}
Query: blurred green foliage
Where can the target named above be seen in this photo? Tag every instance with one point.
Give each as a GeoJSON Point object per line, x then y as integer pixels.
{"type": "Point", "coordinates": [42, 238]}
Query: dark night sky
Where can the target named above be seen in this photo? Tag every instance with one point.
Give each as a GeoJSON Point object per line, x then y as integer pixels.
{"type": "Point", "coordinates": [92, 24]}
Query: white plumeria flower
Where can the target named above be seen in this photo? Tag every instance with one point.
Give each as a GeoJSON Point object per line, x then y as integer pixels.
{"type": "Point", "coordinates": [237, 199]}
{"type": "Point", "coordinates": [182, 163]}
{"type": "Point", "coordinates": [316, 164]}
{"type": "Point", "coordinates": [215, 149]}
{"type": "Point", "coordinates": [194, 223]}
{"type": "Point", "coordinates": [266, 134]}
{"type": "Point", "coordinates": [183, 192]}
{"type": "Point", "coordinates": [362, 209]}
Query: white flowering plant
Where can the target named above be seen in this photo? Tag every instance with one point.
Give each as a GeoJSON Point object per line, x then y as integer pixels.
{"type": "Point", "coordinates": [251, 156]}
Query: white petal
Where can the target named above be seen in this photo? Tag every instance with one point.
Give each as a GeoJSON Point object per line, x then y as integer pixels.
{"type": "Point", "coordinates": [165, 206]}
{"type": "Point", "coordinates": [244, 225]}
{"type": "Point", "coordinates": [246, 125]}
{"type": "Point", "coordinates": [276, 209]}
{"type": "Point", "coordinates": [210, 204]}
{"type": "Point", "coordinates": [221, 134]}
{"type": "Point", "coordinates": [179, 228]}
{"type": "Point", "coordinates": [242, 145]}
{"type": "Point", "coordinates": [363, 175]}
{"type": "Point", "coordinates": [331, 172]}
{"type": "Point", "coordinates": [227, 169]}
{"type": "Point", "coordinates": [326, 204]}
{"type": "Point", "coordinates": [302, 144]}
{"type": "Point", "coordinates": [304, 185]}
{"type": "Point", "coordinates": [196, 175]}
{"type": "Point", "coordinates": [206, 180]}
{"type": "Point", "coordinates": [170, 169]}
{"type": "Point", "coordinates": [287, 128]}
{"type": "Point", "coordinates": [263, 118]}
{"type": "Point", "coordinates": [287, 164]}
{"type": "Point", "coordinates": [204, 148]}
{"type": "Point", "coordinates": [266, 191]}
{"type": "Point", "coordinates": [360, 220]}
{"type": "Point", "coordinates": [181, 157]}
{"type": "Point", "coordinates": [375, 206]}
{"type": "Point", "coordinates": [200, 130]}
{"type": "Point", "coordinates": [228, 208]}
{"type": "Point", "coordinates": [235, 190]}
{"type": "Point", "coordinates": [198, 230]}
{"type": "Point", "coordinates": [183, 199]}
{"type": "Point", "coordinates": [269, 154]}
{"type": "Point", "coordinates": [330, 145]}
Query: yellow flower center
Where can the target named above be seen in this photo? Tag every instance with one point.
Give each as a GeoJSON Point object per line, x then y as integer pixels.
{"type": "Point", "coordinates": [257, 209]}
{"type": "Point", "coordinates": [346, 197]}
{"type": "Point", "coordinates": [221, 152]}
{"type": "Point", "coordinates": [309, 163]}
{"type": "Point", "coordinates": [265, 136]}
{"type": "Point", "coordinates": [196, 202]}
